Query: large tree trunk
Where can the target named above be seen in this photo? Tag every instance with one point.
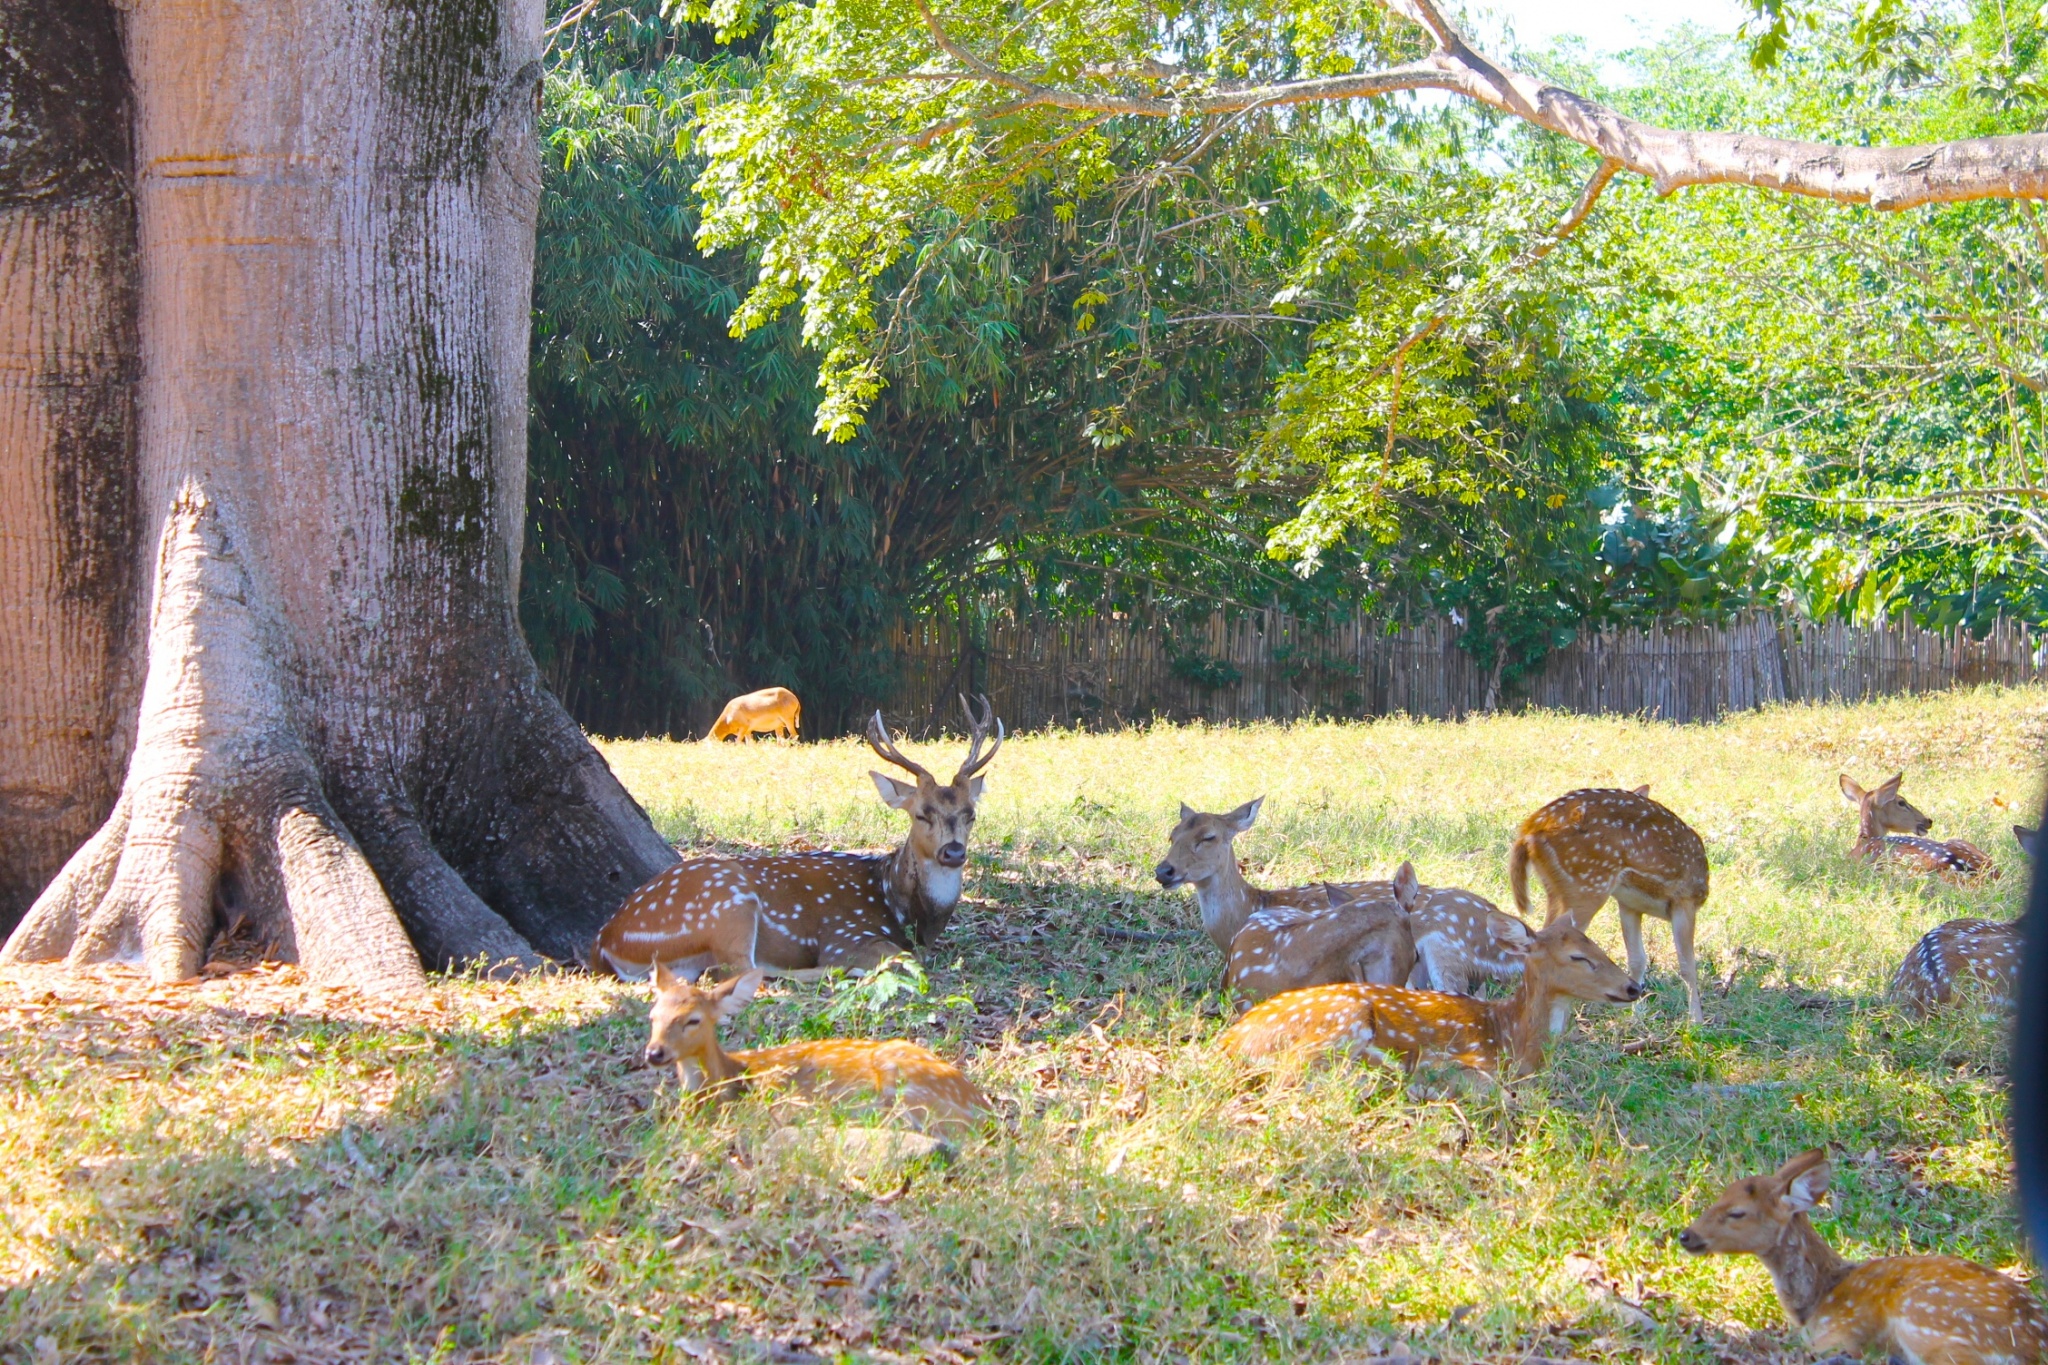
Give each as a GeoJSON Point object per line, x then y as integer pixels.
{"type": "Point", "coordinates": [67, 435]}
{"type": "Point", "coordinates": [342, 741]}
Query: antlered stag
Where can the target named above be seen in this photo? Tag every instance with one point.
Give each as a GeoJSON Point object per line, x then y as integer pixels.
{"type": "Point", "coordinates": [1497, 1039]}
{"type": "Point", "coordinates": [770, 711]}
{"type": "Point", "coordinates": [1599, 842]}
{"type": "Point", "coordinates": [1940, 1310]}
{"type": "Point", "coordinates": [896, 1076]}
{"type": "Point", "coordinates": [793, 913]}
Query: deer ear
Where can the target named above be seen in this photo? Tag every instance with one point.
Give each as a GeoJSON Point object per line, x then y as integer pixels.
{"type": "Point", "coordinates": [1806, 1179]}
{"type": "Point", "coordinates": [2029, 840]}
{"type": "Point", "coordinates": [734, 994]}
{"type": "Point", "coordinates": [664, 979]}
{"type": "Point", "coordinates": [1643, 790]}
{"type": "Point", "coordinates": [974, 788]}
{"type": "Point", "coordinates": [1245, 816]}
{"type": "Point", "coordinates": [1407, 886]}
{"type": "Point", "coordinates": [1891, 788]}
{"type": "Point", "coordinates": [1187, 812]}
{"type": "Point", "coordinates": [1512, 936]}
{"type": "Point", "coordinates": [1336, 894]}
{"type": "Point", "coordinates": [894, 793]}
{"type": "Point", "coordinates": [1852, 790]}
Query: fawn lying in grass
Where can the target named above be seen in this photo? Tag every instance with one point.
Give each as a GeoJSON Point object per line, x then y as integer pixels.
{"type": "Point", "coordinates": [1361, 935]}
{"type": "Point", "coordinates": [1929, 1310]}
{"type": "Point", "coordinates": [1497, 1039]}
{"type": "Point", "coordinates": [1881, 812]}
{"type": "Point", "coordinates": [896, 1076]}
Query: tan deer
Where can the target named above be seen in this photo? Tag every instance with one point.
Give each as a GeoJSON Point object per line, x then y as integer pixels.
{"type": "Point", "coordinates": [772, 711]}
{"type": "Point", "coordinates": [1978, 957]}
{"type": "Point", "coordinates": [799, 913]}
{"type": "Point", "coordinates": [896, 1076]}
{"type": "Point", "coordinates": [1200, 855]}
{"type": "Point", "coordinates": [1932, 1310]}
{"type": "Point", "coordinates": [1497, 1039]}
{"type": "Point", "coordinates": [1599, 842]}
{"type": "Point", "coordinates": [1881, 809]}
{"type": "Point", "coordinates": [1459, 941]}
{"type": "Point", "coordinates": [1361, 934]}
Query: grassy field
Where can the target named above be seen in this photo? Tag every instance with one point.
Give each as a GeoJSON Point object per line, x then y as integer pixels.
{"type": "Point", "coordinates": [255, 1169]}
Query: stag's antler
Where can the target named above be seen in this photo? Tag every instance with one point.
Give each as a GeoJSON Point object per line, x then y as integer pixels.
{"type": "Point", "coordinates": [885, 749]}
{"type": "Point", "coordinates": [977, 732]}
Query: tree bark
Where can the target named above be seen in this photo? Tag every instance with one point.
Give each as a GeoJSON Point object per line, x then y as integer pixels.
{"type": "Point", "coordinates": [67, 434]}
{"type": "Point", "coordinates": [342, 742]}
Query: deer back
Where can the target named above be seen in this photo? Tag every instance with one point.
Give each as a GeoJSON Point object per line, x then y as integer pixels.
{"type": "Point", "coordinates": [895, 1075]}
{"type": "Point", "coordinates": [1590, 836]}
{"type": "Point", "coordinates": [1459, 940]}
{"type": "Point", "coordinates": [1360, 933]}
{"type": "Point", "coordinates": [1977, 955]}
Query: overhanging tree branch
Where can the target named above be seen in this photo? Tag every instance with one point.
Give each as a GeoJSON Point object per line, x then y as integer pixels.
{"type": "Point", "coordinates": [2008, 167]}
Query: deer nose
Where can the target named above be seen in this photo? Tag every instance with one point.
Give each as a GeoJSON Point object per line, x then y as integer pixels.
{"type": "Point", "coordinates": [1692, 1241]}
{"type": "Point", "coordinates": [1633, 991]}
{"type": "Point", "coordinates": [953, 854]}
{"type": "Point", "coordinates": [657, 1055]}
{"type": "Point", "coordinates": [1166, 875]}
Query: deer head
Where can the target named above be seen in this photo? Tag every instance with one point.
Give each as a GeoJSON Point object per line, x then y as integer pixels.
{"type": "Point", "coordinates": [941, 815]}
{"type": "Point", "coordinates": [1751, 1214]}
{"type": "Point", "coordinates": [1561, 960]}
{"type": "Point", "coordinates": [1200, 844]}
{"type": "Point", "coordinates": [1883, 810]}
{"type": "Point", "coordinates": [685, 1025]}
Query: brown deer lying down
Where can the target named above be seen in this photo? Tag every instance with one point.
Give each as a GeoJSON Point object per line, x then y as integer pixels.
{"type": "Point", "coordinates": [1501, 1040]}
{"type": "Point", "coordinates": [1599, 842]}
{"type": "Point", "coordinates": [1199, 854]}
{"type": "Point", "coordinates": [894, 1076]}
{"type": "Point", "coordinates": [1881, 810]}
{"type": "Point", "coordinates": [1458, 941]}
{"type": "Point", "coordinates": [793, 913]}
{"type": "Point", "coordinates": [1360, 934]}
{"type": "Point", "coordinates": [1935, 1310]}
{"type": "Point", "coordinates": [772, 711]}
{"type": "Point", "coordinates": [1979, 957]}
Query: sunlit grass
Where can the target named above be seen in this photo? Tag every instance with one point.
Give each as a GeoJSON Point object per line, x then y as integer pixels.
{"type": "Point", "coordinates": [256, 1166]}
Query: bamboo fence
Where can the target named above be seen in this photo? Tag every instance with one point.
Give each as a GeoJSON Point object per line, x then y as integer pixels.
{"type": "Point", "coordinates": [1107, 671]}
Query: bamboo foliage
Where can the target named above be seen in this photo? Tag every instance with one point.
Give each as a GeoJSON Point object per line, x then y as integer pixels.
{"type": "Point", "coordinates": [1113, 670]}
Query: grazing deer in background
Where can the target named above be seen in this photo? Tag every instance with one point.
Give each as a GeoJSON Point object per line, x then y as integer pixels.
{"type": "Point", "coordinates": [1979, 956]}
{"type": "Point", "coordinates": [1200, 856]}
{"type": "Point", "coordinates": [896, 1076]}
{"type": "Point", "coordinates": [1499, 1039]}
{"type": "Point", "coordinates": [1360, 935]}
{"type": "Point", "coordinates": [772, 710]}
{"type": "Point", "coordinates": [1459, 941]}
{"type": "Point", "coordinates": [1953, 860]}
{"type": "Point", "coordinates": [809, 912]}
{"type": "Point", "coordinates": [1933, 1310]}
{"type": "Point", "coordinates": [1598, 842]}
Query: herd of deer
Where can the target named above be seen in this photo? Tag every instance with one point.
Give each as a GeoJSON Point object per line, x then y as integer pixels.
{"type": "Point", "coordinates": [1379, 970]}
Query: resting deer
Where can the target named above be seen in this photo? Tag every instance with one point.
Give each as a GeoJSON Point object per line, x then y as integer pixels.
{"type": "Point", "coordinates": [1458, 941]}
{"type": "Point", "coordinates": [897, 1076]}
{"type": "Point", "coordinates": [1360, 935]}
{"type": "Point", "coordinates": [1981, 956]}
{"type": "Point", "coordinates": [772, 710]}
{"type": "Point", "coordinates": [1881, 809]}
{"type": "Point", "coordinates": [1598, 842]}
{"type": "Point", "coordinates": [809, 912]}
{"type": "Point", "coordinates": [1497, 1039]}
{"type": "Point", "coordinates": [1200, 856]}
{"type": "Point", "coordinates": [1931, 1310]}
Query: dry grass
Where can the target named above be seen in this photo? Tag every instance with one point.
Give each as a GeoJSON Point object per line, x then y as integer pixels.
{"type": "Point", "coordinates": [257, 1169]}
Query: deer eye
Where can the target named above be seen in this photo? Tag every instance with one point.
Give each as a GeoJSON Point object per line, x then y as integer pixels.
{"type": "Point", "coordinates": [1581, 957]}
{"type": "Point", "coordinates": [1205, 839]}
{"type": "Point", "coordinates": [1733, 1214]}
{"type": "Point", "coordinates": [692, 1022]}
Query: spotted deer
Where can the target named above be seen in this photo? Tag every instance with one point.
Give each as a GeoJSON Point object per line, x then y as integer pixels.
{"type": "Point", "coordinates": [1895, 813]}
{"type": "Point", "coordinates": [1361, 934]}
{"type": "Point", "coordinates": [1953, 860]}
{"type": "Point", "coordinates": [1500, 1040]}
{"type": "Point", "coordinates": [803, 913]}
{"type": "Point", "coordinates": [1599, 842]}
{"type": "Point", "coordinates": [1938, 1310]}
{"type": "Point", "coordinates": [1459, 941]}
{"type": "Point", "coordinates": [1976, 957]}
{"type": "Point", "coordinates": [1200, 855]}
{"type": "Point", "coordinates": [896, 1076]}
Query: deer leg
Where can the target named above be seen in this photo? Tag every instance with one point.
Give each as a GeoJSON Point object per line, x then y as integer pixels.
{"type": "Point", "coordinates": [1638, 957]}
{"type": "Point", "coordinates": [1688, 963]}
